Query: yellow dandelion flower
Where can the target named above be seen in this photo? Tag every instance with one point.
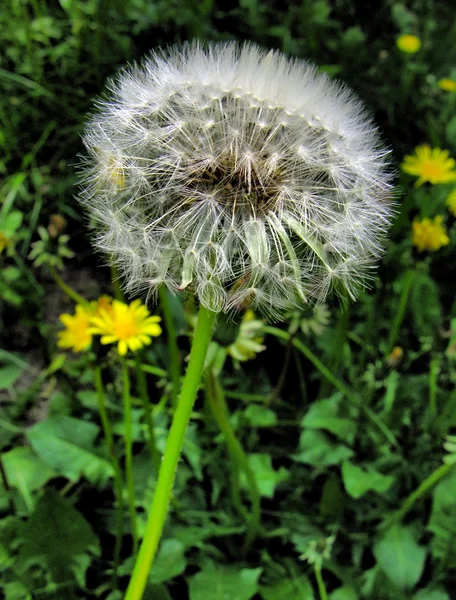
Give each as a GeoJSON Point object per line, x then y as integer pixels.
{"type": "Point", "coordinates": [409, 44]}
{"type": "Point", "coordinates": [430, 164]}
{"type": "Point", "coordinates": [104, 303]}
{"type": "Point", "coordinates": [451, 202]}
{"type": "Point", "coordinates": [128, 325]}
{"type": "Point", "coordinates": [429, 234]}
{"type": "Point", "coordinates": [77, 336]}
{"type": "Point", "coordinates": [448, 85]}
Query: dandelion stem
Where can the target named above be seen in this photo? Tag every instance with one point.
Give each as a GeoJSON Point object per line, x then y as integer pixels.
{"type": "Point", "coordinates": [174, 358]}
{"type": "Point", "coordinates": [128, 440]}
{"type": "Point", "coordinates": [118, 485]}
{"type": "Point", "coordinates": [142, 387]}
{"type": "Point", "coordinates": [321, 584]}
{"type": "Point", "coordinates": [118, 294]}
{"type": "Point", "coordinates": [219, 409]}
{"type": "Point", "coordinates": [400, 313]}
{"type": "Point", "coordinates": [163, 489]}
{"type": "Point", "coordinates": [340, 385]}
{"type": "Point", "coordinates": [66, 289]}
{"type": "Point", "coordinates": [422, 489]}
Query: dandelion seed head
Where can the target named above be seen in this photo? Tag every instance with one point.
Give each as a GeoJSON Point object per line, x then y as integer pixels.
{"type": "Point", "coordinates": [242, 175]}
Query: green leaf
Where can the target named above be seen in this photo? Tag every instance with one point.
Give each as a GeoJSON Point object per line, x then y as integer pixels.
{"type": "Point", "coordinates": [442, 522]}
{"type": "Point", "coordinates": [316, 448]}
{"type": "Point", "coordinates": [324, 415]}
{"type": "Point", "coordinates": [289, 589]}
{"type": "Point", "coordinates": [67, 446]}
{"type": "Point", "coordinates": [58, 537]}
{"type": "Point", "coordinates": [259, 416]}
{"type": "Point", "coordinates": [267, 478]}
{"type": "Point", "coordinates": [14, 590]}
{"type": "Point", "coordinates": [224, 583]}
{"type": "Point", "coordinates": [400, 557]}
{"type": "Point", "coordinates": [25, 471]}
{"type": "Point", "coordinates": [9, 375]}
{"type": "Point", "coordinates": [424, 305]}
{"type": "Point", "coordinates": [344, 593]}
{"type": "Point", "coordinates": [358, 481]}
{"type": "Point", "coordinates": [430, 594]}
{"type": "Point", "coordinates": [170, 561]}
{"type": "Point", "coordinates": [451, 131]}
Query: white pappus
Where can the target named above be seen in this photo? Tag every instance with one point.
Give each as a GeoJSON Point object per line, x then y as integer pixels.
{"type": "Point", "coordinates": [243, 175]}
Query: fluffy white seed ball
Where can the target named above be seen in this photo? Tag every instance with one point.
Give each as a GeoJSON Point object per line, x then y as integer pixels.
{"type": "Point", "coordinates": [243, 175]}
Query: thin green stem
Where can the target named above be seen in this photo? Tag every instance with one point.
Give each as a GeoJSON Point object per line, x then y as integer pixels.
{"type": "Point", "coordinates": [149, 369]}
{"type": "Point", "coordinates": [142, 387]}
{"type": "Point", "coordinates": [420, 491]}
{"type": "Point", "coordinates": [400, 313]}
{"type": "Point", "coordinates": [118, 485]}
{"type": "Point", "coordinates": [219, 409]}
{"type": "Point", "coordinates": [66, 289]}
{"type": "Point", "coordinates": [128, 440]}
{"type": "Point", "coordinates": [168, 468]}
{"type": "Point", "coordinates": [340, 385]}
{"type": "Point", "coordinates": [174, 357]}
{"type": "Point", "coordinates": [118, 294]}
{"type": "Point", "coordinates": [434, 370]}
{"type": "Point", "coordinates": [321, 584]}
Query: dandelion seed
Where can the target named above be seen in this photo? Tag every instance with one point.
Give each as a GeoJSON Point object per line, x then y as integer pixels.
{"type": "Point", "coordinates": [241, 175]}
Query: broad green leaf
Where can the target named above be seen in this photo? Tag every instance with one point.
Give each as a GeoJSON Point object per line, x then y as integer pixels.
{"type": "Point", "coordinates": [344, 593]}
{"type": "Point", "coordinates": [59, 538]}
{"type": "Point", "coordinates": [430, 594]}
{"type": "Point", "coordinates": [289, 589]}
{"type": "Point", "coordinates": [170, 561]}
{"type": "Point", "coordinates": [14, 590]}
{"type": "Point", "coordinates": [67, 445]}
{"type": "Point", "coordinates": [224, 583]}
{"type": "Point", "coordinates": [442, 522]}
{"type": "Point", "coordinates": [358, 481]}
{"type": "Point", "coordinates": [324, 415]}
{"type": "Point", "coordinates": [25, 471]}
{"type": "Point", "coordinates": [259, 416]}
{"type": "Point", "coordinates": [316, 448]}
{"type": "Point", "coordinates": [9, 375]}
{"type": "Point", "coordinates": [400, 557]}
{"type": "Point", "coordinates": [267, 478]}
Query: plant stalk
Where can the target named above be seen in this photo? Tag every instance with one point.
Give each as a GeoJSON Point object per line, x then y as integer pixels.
{"type": "Point", "coordinates": [128, 441]}
{"type": "Point", "coordinates": [219, 409]}
{"type": "Point", "coordinates": [168, 468]}
{"type": "Point", "coordinates": [118, 485]}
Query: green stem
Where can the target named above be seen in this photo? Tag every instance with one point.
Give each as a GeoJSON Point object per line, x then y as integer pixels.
{"type": "Point", "coordinates": [166, 476]}
{"type": "Point", "coordinates": [142, 387]}
{"type": "Point", "coordinates": [400, 313]}
{"type": "Point", "coordinates": [434, 370]}
{"type": "Point", "coordinates": [219, 408]}
{"type": "Point", "coordinates": [66, 289]}
{"type": "Point", "coordinates": [340, 385]}
{"type": "Point", "coordinates": [321, 584]}
{"type": "Point", "coordinates": [174, 357]}
{"type": "Point", "coordinates": [422, 489]}
{"type": "Point", "coordinates": [149, 369]}
{"type": "Point", "coordinates": [128, 440]}
{"type": "Point", "coordinates": [118, 294]}
{"type": "Point", "coordinates": [118, 485]}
